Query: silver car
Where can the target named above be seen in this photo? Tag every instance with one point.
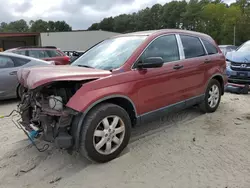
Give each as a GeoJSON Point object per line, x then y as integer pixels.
{"type": "Point", "coordinates": [10, 63]}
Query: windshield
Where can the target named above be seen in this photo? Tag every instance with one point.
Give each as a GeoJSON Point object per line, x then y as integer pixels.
{"type": "Point", "coordinates": [244, 47]}
{"type": "Point", "coordinates": [111, 53]}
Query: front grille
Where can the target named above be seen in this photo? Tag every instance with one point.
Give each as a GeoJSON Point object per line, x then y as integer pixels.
{"type": "Point", "coordinates": [240, 66]}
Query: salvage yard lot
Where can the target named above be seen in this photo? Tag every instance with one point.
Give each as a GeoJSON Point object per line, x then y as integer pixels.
{"type": "Point", "coordinates": [186, 149]}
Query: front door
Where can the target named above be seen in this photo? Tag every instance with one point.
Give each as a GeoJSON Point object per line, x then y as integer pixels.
{"type": "Point", "coordinates": [159, 88]}
{"type": "Point", "coordinates": [8, 77]}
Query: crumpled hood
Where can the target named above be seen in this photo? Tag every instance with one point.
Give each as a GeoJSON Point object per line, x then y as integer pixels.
{"type": "Point", "coordinates": [35, 76]}
{"type": "Point", "coordinates": [238, 57]}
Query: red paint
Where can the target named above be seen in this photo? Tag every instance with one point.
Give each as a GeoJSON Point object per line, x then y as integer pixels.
{"type": "Point", "coordinates": [149, 89]}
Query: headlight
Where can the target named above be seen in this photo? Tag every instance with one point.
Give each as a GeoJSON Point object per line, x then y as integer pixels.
{"type": "Point", "coordinates": [228, 63]}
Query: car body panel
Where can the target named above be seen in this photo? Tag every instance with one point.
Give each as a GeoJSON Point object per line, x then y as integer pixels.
{"type": "Point", "coordinates": [36, 76]}
{"type": "Point", "coordinates": [9, 83]}
{"type": "Point", "coordinates": [8, 76]}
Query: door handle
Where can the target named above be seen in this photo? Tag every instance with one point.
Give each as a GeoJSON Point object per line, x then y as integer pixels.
{"type": "Point", "coordinates": [207, 61]}
{"type": "Point", "coordinates": [178, 67]}
{"type": "Point", "coordinates": [13, 73]}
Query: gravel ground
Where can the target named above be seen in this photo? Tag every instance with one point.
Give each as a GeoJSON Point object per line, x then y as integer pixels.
{"type": "Point", "coordinates": [186, 149]}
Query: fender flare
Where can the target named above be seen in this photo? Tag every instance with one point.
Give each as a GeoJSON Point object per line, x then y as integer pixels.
{"type": "Point", "coordinates": [78, 122]}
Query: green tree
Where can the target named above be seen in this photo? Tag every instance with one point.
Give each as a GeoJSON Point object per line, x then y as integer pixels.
{"type": "Point", "coordinates": [15, 26]}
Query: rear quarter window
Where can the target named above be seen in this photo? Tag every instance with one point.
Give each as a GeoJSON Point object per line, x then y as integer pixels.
{"type": "Point", "coordinates": [211, 49]}
{"type": "Point", "coordinates": [192, 46]}
{"type": "Point", "coordinates": [20, 61]}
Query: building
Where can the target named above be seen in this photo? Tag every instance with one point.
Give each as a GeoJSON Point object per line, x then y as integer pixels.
{"type": "Point", "coordinates": [79, 40]}
{"type": "Point", "coordinates": [12, 40]}
{"type": "Point", "coordinates": [74, 40]}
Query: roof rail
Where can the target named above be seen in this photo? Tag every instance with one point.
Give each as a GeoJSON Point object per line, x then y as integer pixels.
{"type": "Point", "coordinates": [23, 47]}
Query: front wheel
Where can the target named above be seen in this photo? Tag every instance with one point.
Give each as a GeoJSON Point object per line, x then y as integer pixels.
{"type": "Point", "coordinates": [212, 97]}
{"type": "Point", "coordinates": [20, 91]}
{"type": "Point", "coordinates": [105, 133]}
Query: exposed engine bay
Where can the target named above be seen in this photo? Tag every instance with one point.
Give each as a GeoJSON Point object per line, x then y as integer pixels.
{"type": "Point", "coordinates": [43, 110]}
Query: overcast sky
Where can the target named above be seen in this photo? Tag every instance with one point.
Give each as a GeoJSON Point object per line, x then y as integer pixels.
{"type": "Point", "coordinates": [80, 14]}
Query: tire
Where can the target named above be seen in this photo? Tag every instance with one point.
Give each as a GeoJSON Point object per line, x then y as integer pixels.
{"type": "Point", "coordinates": [95, 123]}
{"type": "Point", "coordinates": [20, 90]}
{"type": "Point", "coordinates": [206, 106]}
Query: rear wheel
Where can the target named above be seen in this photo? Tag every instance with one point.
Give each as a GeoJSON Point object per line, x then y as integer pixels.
{"type": "Point", "coordinates": [212, 97]}
{"type": "Point", "coordinates": [105, 133]}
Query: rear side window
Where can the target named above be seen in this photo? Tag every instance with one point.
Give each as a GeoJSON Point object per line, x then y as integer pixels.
{"type": "Point", "coordinates": [53, 53]}
{"type": "Point", "coordinates": [192, 47]}
{"type": "Point", "coordinates": [211, 49]}
{"type": "Point", "coordinates": [40, 54]}
{"type": "Point", "coordinates": [21, 52]}
{"type": "Point", "coordinates": [6, 62]}
{"type": "Point", "coordinates": [20, 61]}
{"type": "Point", "coordinates": [165, 47]}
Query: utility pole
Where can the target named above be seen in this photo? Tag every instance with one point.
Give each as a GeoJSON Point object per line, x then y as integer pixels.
{"type": "Point", "coordinates": [234, 34]}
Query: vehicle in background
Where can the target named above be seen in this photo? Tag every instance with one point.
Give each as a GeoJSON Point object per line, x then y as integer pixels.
{"type": "Point", "coordinates": [74, 55]}
{"type": "Point", "coordinates": [129, 79]}
{"type": "Point", "coordinates": [238, 64]}
{"type": "Point", "coordinates": [10, 63]}
{"type": "Point", "coordinates": [47, 53]}
{"type": "Point", "coordinates": [227, 48]}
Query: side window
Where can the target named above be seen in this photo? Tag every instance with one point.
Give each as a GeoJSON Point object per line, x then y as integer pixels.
{"type": "Point", "coordinates": [20, 61]}
{"type": "Point", "coordinates": [53, 53]}
{"type": "Point", "coordinates": [165, 47]}
{"type": "Point", "coordinates": [211, 49]}
{"type": "Point", "coordinates": [6, 62]}
{"type": "Point", "coordinates": [192, 46]}
{"type": "Point", "coordinates": [21, 52]}
{"type": "Point", "coordinates": [38, 54]}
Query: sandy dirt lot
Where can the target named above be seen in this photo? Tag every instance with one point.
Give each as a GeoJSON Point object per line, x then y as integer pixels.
{"type": "Point", "coordinates": [186, 149]}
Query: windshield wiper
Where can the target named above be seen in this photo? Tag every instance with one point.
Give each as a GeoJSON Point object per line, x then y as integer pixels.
{"type": "Point", "coordinates": [86, 66]}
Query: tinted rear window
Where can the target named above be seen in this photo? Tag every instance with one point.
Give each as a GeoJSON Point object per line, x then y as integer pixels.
{"type": "Point", "coordinates": [192, 46]}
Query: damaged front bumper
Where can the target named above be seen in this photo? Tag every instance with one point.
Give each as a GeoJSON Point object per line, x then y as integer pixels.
{"type": "Point", "coordinates": [39, 120]}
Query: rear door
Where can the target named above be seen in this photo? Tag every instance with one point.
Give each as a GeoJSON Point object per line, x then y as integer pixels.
{"type": "Point", "coordinates": [9, 82]}
{"type": "Point", "coordinates": [194, 67]}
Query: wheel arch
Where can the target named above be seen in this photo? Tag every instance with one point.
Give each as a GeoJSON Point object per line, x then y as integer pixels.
{"type": "Point", "coordinates": [219, 78]}
{"type": "Point", "coordinates": [123, 101]}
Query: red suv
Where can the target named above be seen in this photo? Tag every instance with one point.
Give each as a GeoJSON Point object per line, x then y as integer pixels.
{"type": "Point", "coordinates": [125, 80]}
{"type": "Point", "coordinates": [47, 53]}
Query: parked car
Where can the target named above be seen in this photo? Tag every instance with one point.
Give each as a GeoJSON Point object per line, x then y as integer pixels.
{"type": "Point", "coordinates": [227, 48]}
{"type": "Point", "coordinates": [125, 80]}
{"type": "Point", "coordinates": [238, 65]}
{"type": "Point", "coordinates": [10, 63]}
{"type": "Point", "coordinates": [47, 53]}
{"type": "Point", "coordinates": [74, 55]}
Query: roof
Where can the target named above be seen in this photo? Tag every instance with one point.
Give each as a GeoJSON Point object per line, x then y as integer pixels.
{"type": "Point", "coordinates": [151, 32]}
{"type": "Point", "coordinates": [2, 34]}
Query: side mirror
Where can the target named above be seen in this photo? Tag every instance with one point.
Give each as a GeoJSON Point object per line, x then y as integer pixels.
{"type": "Point", "coordinates": [151, 62]}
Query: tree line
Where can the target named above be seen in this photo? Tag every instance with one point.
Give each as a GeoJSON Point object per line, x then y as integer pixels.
{"type": "Point", "coordinates": [34, 26]}
{"type": "Point", "coordinates": [213, 17]}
